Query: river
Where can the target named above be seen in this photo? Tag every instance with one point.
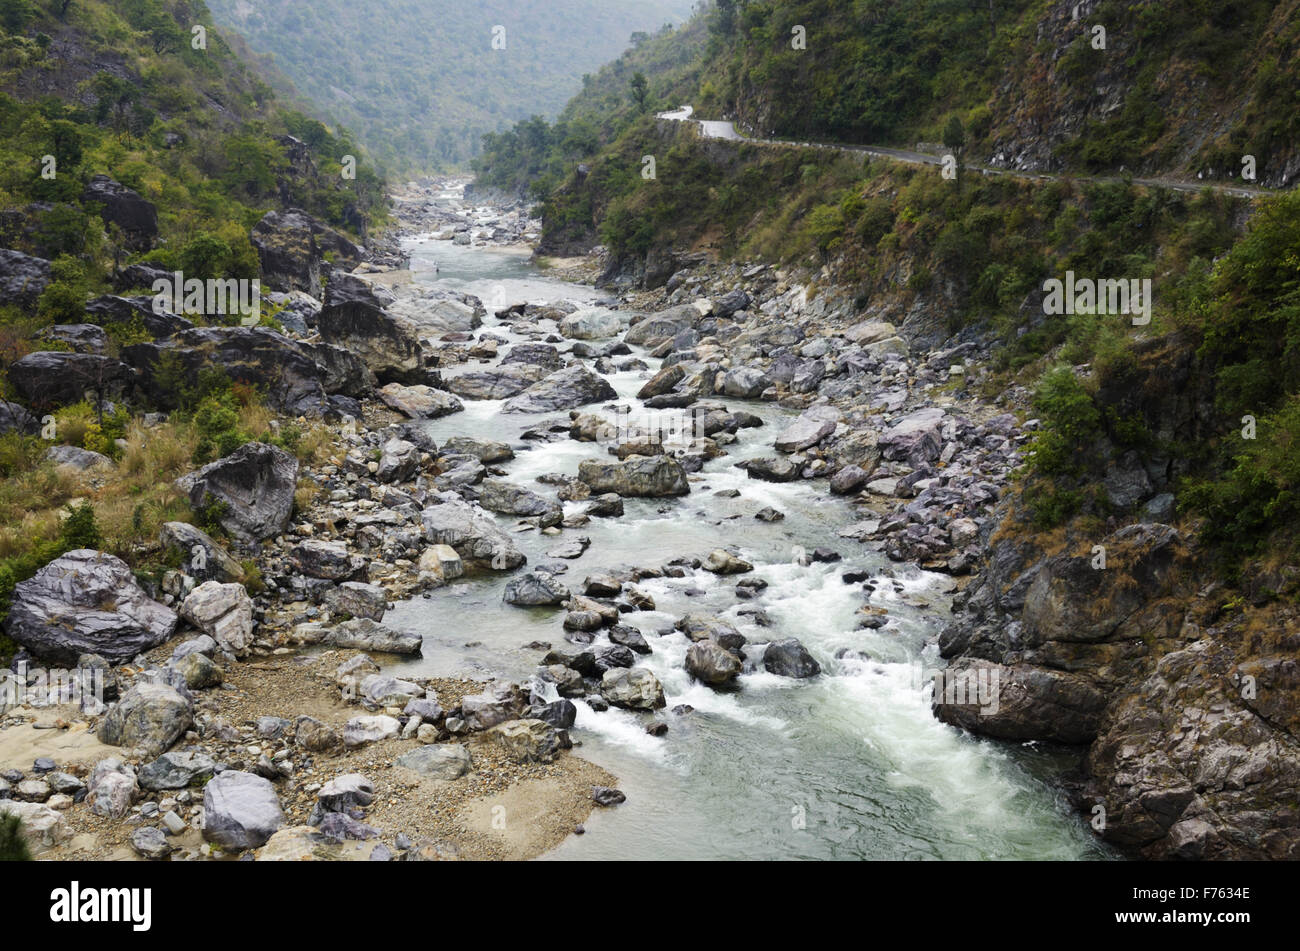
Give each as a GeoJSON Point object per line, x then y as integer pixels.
{"type": "Point", "coordinates": [847, 765]}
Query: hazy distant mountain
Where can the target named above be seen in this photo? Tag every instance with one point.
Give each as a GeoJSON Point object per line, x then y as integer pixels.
{"type": "Point", "coordinates": [420, 80]}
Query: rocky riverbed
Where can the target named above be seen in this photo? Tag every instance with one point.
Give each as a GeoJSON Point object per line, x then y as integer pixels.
{"type": "Point", "coordinates": [275, 716]}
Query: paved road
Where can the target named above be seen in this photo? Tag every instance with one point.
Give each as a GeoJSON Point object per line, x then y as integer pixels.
{"type": "Point", "coordinates": [726, 130]}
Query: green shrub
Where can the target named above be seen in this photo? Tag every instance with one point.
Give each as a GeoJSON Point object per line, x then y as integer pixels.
{"type": "Point", "coordinates": [13, 846]}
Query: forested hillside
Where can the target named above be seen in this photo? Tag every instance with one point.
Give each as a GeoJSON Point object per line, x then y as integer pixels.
{"type": "Point", "coordinates": [1171, 443]}
{"type": "Point", "coordinates": [421, 81]}
{"type": "Point", "coordinates": [134, 144]}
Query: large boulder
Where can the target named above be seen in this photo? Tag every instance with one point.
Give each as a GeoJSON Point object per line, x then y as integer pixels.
{"type": "Point", "coordinates": [638, 477]}
{"type": "Point", "coordinates": [240, 811]}
{"type": "Point", "coordinates": [18, 419]}
{"type": "Point", "coordinates": [916, 438]}
{"type": "Point", "coordinates": [43, 828]}
{"type": "Point", "coordinates": [288, 252]}
{"type": "Point", "coordinates": [746, 383]}
{"type": "Point", "coordinates": [224, 612]}
{"type": "Point", "coordinates": [254, 484]}
{"type": "Point", "coordinates": [662, 382]}
{"type": "Point", "coordinates": [398, 462]}
{"type": "Point", "coordinates": [80, 338]}
{"type": "Point", "coordinates": [535, 589]}
{"type": "Point", "coordinates": [23, 278]}
{"type": "Point", "coordinates": [420, 402]}
{"type": "Point", "coordinates": [543, 356]}
{"type": "Point", "coordinates": [150, 717]}
{"type": "Point", "coordinates": [565, 389]}
{"type": "Point", "coordinates": [177, 771]}
{"type": "Point", "coordinates": [499, 383]}
{"type": "Point", "coordinates": [329, 561]}
{"type": "Point", "coordinates": [633, 688]}
{"type": "Point", "coordinates": [87, 602]}
{"type": "Point", "coordinates": [159, 322]}
{"type": "Point", "coordinates": [474, 535]}
{"type": "Point", "coordinates": [662, 326]}
{"type": "Point", "coordinates": [343, 371]}
{"type": "Point", "coordinates": [60, 378]}
{"type": "Point", "coordinates": [389, 346]}
{"type": "Point", "coordinates": [364, 634]}
{"type": "Point", "coordinates": [1020, 703]}
{"type": "Point", "coordinates": [509, 499]}
{"type": "Point", "coordinates": [125, 208]}
{"type": "Point", "coordinates": [446, 761]}
{"type": "Point", "coordinates": [202, 558]}
{"type": "Point", "coordinates": [497, 703]}
{"type": "Point", "coordinates": [593, 323]}
{"type": "Point", "coordinates": [789, 658]}
{"type": "Point", "coordinates": [529, 741]}
{"type": "Point", "coordinates": [711, 663]}
{"type": "Point", "coordinates": [294, 382]}
{"type": "Point", "coordinates": [804, 433]}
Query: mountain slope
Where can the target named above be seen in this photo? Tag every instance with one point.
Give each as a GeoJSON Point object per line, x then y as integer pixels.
{"type": "Point", "coordinates": [1166, 446]}
{"type": "Point", "coordinates": [421, 81]}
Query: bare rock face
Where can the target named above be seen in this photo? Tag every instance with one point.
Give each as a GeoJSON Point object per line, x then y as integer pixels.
{"type": "Point", "coordinates": [87, 602]}
{"type": "Point", "coordinates": [23, 278]}
{"type": "Point", "coordinates": [59, 378]}
{"type": "Point", "coordinates": [254, 484]}
{"type": "Point", "coordinates": [389, 346]}
{"type": "Point", "coordinates": [125, 208]}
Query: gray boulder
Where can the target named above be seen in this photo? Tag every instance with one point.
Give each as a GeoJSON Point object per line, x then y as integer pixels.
{"type": "Point", "coordinates": [224, 612]}
{"type": "Point", "coordinates": [23, 278]}
{"type": "Point", "coordinates": [60, 378]}
{"type": "Point", "coordinates": [364, 634]}
{"type": "Point", "coordinates": [638, 477]}
{"type": "Point", "coordinates": [87, 602]}
{"type": "Point", "coordinates": [329, 561]}
{"type": "Point", "coordinates": [712, 663]}
{"type": "Point", "coordinates": [499, 383]}
{"type": "Point", "coordinates": [254, 484]}
{"type": "Point", "coordinates": [789, 658]}
{"type": "Point", "coordinates": [176, 771]}
{"type": "Point", "coordinates": [389, 346]}
{"type": "Point", "coordinates": [565, 389]}
{"type": "Point", "coordinates": [509, 499]}
{"type": "Point", "coordinates": [745, 383]}
{"type": "Point", "coordinates": [359, 600]}
{"type": "Point", "coordinates": [240, 811]}
{"type": "Point", "coordinates": [446, 761]}
{"type": "Point", "coordinates": [150, 717]}
{"type": "Point", "coordinates": [474, 535]}
{"type": "Point", "coordinates": [420, 401]}
{"type": "Point", "coordinates": [535, 589]}
{"type": "Point", "coordinates": [634, 688]}
{"type": "Point", "coordinates": [202, 557]}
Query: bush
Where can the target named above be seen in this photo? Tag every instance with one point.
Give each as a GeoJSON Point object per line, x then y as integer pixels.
{"type": "Point", "coordinates": [79, 529]}
{"type": "Point", "coordinates": [13, 847]}
{"type": "Point", "coordinates": [1071, 423]}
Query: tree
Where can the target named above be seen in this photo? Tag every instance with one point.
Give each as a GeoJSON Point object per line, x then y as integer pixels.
{"type": "Point", "coordinates": [954, 139]}
{"type": "Point", "coordinates": [640, 91]}
{"type": "Point", "coordinates": [15, 15]}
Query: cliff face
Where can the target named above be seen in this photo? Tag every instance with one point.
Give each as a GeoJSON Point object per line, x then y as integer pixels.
{"type": "Point", "coordinates": [1118, 636]}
